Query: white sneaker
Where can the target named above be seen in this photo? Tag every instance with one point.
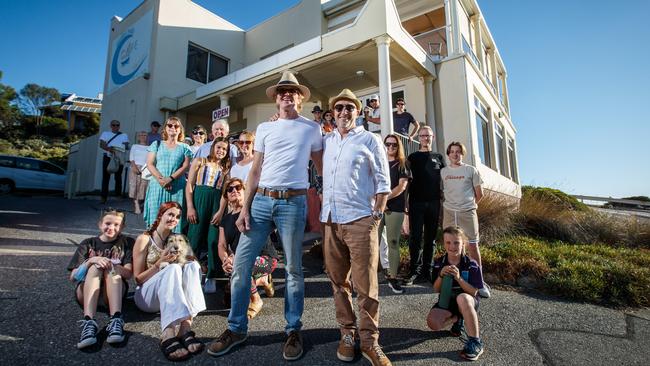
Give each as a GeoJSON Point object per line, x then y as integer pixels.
{"type": "Point", "coordinates": [210, 286]}
{"type": "Point", "coordinates": [485, 291]}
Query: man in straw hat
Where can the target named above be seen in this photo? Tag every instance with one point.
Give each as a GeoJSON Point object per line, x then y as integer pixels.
{"type": "Point", "coordinates": [356, 184]}
{"type": "Point", "coordinates": [275, 195]}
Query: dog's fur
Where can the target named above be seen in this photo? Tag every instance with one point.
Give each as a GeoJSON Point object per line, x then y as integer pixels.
{"type": "Point", "coordinates": [181, 245]}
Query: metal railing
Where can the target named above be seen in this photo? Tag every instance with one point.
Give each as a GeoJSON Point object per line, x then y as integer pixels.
{"type": "Point", "coordinates": [410, 146]}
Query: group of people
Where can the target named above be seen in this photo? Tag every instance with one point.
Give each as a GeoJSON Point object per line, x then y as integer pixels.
{"type": "Point", "coordinates": [233, 198]}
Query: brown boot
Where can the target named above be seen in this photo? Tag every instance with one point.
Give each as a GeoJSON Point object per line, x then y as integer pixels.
{"type": "Point", "coordinates": [345, 351]}
{"type": "Point", "coordinates": [376, 356]}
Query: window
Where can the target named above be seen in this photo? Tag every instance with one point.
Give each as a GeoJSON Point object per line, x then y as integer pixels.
{"type": "Point", "coordinates": [50, 168]}
{"type": "Point", "coordinates": [204, 66]}
{"type": "Point", "coordinates": [482, 132]}
{"type": "Point", "coordinates": [499, 151]}
{"type": "Point", "coordinates": [7, 161]}
{"type": "Point", "coordinates": [513, 159]}
{"type": "Point", "coordinates": [27, 164]}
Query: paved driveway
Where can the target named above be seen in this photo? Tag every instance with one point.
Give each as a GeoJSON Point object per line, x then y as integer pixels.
{"type": "Point", "coordinates": [38, 324]}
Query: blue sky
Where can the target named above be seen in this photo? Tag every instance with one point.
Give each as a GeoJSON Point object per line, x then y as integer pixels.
{"type": "Point", "coordinates": [578, 76]}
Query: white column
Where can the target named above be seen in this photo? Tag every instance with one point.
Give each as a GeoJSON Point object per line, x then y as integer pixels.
{"type": "Point", "coordinates": [493, 69]}
{"type": "Point", "coordinates": [506, 96]}
{"type": "Point", "coordinates": [385, 87]}
{"type": "Point", "coordinates": [478, 49]}
{"type": "Point", "coordinates": [223, 102]}
{"type": "Point", "coordinates": [452, 21]}
{"type": "Point", "coordinates": [430, 111]}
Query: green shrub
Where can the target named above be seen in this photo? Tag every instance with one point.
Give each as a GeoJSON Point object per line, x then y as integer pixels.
{"type": "Point", "coordinates": [553, 197]}
{"type": "Point", "coordinates": [54, 127]}
{"type": "Point", "coordinates": [595, 273]}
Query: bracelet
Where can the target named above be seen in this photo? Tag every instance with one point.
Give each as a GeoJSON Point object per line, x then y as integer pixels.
{"type": "Point", "coordinates": [171, 177]}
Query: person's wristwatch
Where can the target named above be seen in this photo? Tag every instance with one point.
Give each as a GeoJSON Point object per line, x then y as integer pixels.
{"type": "Point", "coordinates": [377, 215]}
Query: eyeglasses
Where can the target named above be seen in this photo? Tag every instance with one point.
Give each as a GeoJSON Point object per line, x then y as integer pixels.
{"type": "Point", "coordinates": [425, 136]}
{"type": "Point", "coordinates": [282, 91]}
{"type": "Point", "coordinates": [348, 107]}
{"type": "Point", "coordinates": [176, 127]}
{"type": "Point", "coordinates": [391, 144]}
{"type": "Point", "coordinates": [198, 133]}
{"type": "Point", "coordinates": [234, 187]}
{"type": "Point", "coordinates": [244, 142]}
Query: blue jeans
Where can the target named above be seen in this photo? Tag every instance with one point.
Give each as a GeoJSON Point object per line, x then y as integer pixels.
{"type": "Point", "coordinates": [289, 217]}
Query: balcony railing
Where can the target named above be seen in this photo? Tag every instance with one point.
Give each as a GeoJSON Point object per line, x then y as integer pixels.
{"type": "Point", "coordinates": [434, 42]}
{"type": "Point", "coordinates": [468, 49]}
{"type": "Point", "coordinates": [410, 146]}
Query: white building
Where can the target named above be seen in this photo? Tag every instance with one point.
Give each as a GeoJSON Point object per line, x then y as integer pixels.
{"type": "Point", "coordinates": [173, 57]}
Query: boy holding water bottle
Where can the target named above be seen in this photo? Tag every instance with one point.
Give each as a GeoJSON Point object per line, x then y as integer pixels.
{"type": "Point", "coordinates": [458, 301]}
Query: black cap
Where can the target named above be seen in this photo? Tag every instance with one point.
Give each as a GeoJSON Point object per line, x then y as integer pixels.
{"type": "Point", "coordinates": [316, 109]}
{"type": "Point", "coordinates": [155, 124]}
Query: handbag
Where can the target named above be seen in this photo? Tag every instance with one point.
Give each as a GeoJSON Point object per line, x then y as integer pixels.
{"type": "Point", "coordinates": [113, 164]}
{"type": "Point", "coordinates": [145, 173]}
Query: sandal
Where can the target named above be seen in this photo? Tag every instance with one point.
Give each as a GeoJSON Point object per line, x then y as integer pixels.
{"type": "Point", "coordinates": [269, 290]}
{"type": "Point", "coordinates": [254, 308]}
{"type": "Point", "coordinates": [189, 339]}
{"type": "Point", "coordinates": [172, 345]}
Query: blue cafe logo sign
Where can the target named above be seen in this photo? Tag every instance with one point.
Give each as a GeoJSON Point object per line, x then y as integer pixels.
{"type": "Point", "coordinates": [128, 59]}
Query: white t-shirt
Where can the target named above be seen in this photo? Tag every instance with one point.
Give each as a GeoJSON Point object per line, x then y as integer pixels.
{"type": "Point", "coordinates": [287, 145]}
{"type": "Point", "coordinates": [120, 141]}
{"type": "Point", "coordinates": [458, 185]}
{"type": "Point", "coordinates": [240, 171]}
{"type": "Point", "coordinates": [138, 154]}
{"type": "Point", "coordinates": [374, 127]}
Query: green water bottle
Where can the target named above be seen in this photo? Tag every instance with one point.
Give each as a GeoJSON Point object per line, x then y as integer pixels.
{"type": "Point", "coordinates": [445, 292]}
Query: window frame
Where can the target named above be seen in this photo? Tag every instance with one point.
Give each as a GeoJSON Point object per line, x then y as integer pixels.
{"type": "Point", "coordinates": [210, 54]}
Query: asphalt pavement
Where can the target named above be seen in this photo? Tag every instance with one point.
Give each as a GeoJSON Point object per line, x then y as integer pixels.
{"type": "Point", "coordinates": [39, 318]}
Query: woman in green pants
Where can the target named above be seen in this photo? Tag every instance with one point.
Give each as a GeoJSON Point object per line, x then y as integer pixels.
{"type": "Point", "coordinates": [203, 193]}
{"type": "Point", "coordinates": [394, 214]}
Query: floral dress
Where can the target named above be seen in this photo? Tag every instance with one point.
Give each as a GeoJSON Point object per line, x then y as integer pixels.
{"type": "Point", "coordinates": [167, 162]}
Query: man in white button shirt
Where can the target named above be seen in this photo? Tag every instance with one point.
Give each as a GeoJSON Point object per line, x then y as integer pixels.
{"type": "Point", "coordinates": [356, 183]}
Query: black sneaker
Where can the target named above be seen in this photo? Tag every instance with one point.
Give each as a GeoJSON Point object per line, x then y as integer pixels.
{"type": "Point", "coordinates": [88, 333]}
{"type": "Point", "coordinates": [394, 285]}
{"type": "Point", "coordinates": [472, 350]}
{"type": "Point", "coordinates": [115, 330]}
{"type": "Point", "coordinates": [408, 281]}
{"type": "Point", "coordinates": [458, 328]}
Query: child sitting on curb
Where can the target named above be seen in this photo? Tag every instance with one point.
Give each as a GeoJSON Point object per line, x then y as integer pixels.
{"type": "Point", "coordinates": [100, 267]}
{"type": "Point", "coordinates": [463, 304]}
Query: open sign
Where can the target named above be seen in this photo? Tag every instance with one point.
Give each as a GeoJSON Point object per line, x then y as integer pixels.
{"type": "Point", "coordinates": [221, 113]}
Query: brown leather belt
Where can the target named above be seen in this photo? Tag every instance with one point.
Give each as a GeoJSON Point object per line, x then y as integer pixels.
{"type": "Point", "coordinates": [281, 194]}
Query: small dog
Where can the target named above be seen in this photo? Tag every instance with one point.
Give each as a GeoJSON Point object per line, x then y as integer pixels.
{"type": "Point", "coordinates": [179, 244]}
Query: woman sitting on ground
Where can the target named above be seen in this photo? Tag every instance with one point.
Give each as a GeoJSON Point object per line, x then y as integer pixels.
{"type": "Point", "coordinates": [464, 300]}
{"type": "Point", "coordinates": [265, 263]}
{"type": "Point", "coordinates": [174, 290]}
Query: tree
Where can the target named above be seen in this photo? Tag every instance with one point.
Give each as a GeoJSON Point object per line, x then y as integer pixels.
{"type": "Point", "coordinates": [8, 112]}
{"type": "Point", "coordinates": [33, 96]}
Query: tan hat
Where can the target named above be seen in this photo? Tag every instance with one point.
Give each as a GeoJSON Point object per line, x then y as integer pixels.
{"type": "Point", "coordinates": [288, 79]}
{"type": "Point", "coordinates": [345, 94]}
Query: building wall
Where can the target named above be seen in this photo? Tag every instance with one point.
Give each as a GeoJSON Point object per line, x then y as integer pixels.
{"type": "Point", "coordinates": [294, 26]}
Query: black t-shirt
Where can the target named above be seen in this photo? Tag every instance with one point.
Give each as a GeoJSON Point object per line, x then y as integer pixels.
{"type": "Point", "coordinates": [425, 172]}
{"type": "Point", "coordinates": [396, 204]}
{"type": "Point", "coordinates": [121, 248]}
{"type": "Point", "coordinates": [401, 122]}
{"type": "Point", "coordinates": [232, 235]}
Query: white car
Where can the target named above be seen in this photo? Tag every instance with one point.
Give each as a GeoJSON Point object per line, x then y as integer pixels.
{"type": "Point", "coordinates": [26, 173]}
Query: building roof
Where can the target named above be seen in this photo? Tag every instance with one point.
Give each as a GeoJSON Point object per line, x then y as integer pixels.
{"type": "Point", "coordinates": [75, 103]}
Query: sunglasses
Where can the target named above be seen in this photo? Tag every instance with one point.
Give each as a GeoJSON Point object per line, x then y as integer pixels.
{"type": "Point", "coordinates": [348, 107]}
{"type": "Point", "coordinates": [425, 136]}
{"type": "Point", "coordinates": [282, 91]}
{"type": "Point", "coordinates": [244, 142]}
{"type": "Point", "coordinates": [198, 133]}
{"type": "Point", "coordinates": [232, 188]}
{"type": "Point", "coordinates": [391, 144]}
{"type": "Point", "coordinates": [176, 127]}
{"type": "Point", "coordinates": [400, 103]}
{"type": "Point", "coordinates": [115, 125]}
{"type": "Point", "coordinates": [112, 211]}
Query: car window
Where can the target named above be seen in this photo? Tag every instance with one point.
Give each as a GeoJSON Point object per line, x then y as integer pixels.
{"type": "Point", "coordinates": [51, 168]}
{"type": "Point", "coordinates": [27, 164]}
{"type": "Point", "coordinates": [7, 161]}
